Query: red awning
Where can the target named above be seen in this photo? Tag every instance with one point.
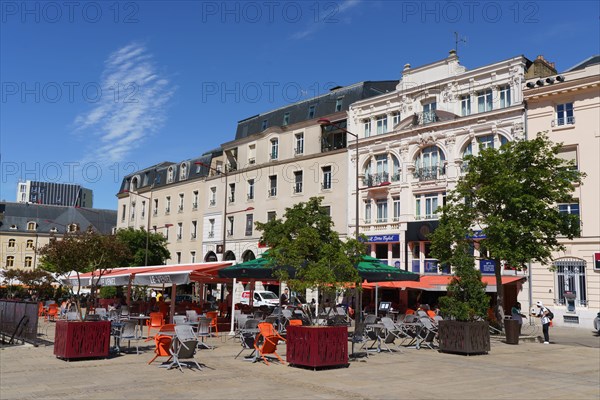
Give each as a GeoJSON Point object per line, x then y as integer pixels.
{"type": "Point", "coordinates": [440, 283]}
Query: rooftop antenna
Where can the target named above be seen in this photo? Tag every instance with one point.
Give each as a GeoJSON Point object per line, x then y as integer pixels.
{"type": "Point", "coordinates": [457, 40]}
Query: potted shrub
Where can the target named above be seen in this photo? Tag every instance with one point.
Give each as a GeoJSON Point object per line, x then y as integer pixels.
{"type": "Point", "coordinates": [306, 252]}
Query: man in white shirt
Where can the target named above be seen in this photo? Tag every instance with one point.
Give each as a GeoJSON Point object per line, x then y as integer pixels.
{"type": "Point", "coordinates": [542, 312]}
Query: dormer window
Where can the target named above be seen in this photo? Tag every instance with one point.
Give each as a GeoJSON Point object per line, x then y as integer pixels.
{"type": "Point", "coordinates": [183, 171]}
{"type": "Point", "coordinates": [13, 227]}
{"type": "Point", "coordinates": [338, 104]}
{"type": "Point", "coordinates": [265, 124]}
{"type": "Point", "coordinates": [134, 184]}
{"type": "Point", "coordinates": [31, 226]}
{"type": "Point", "coordinates": [311, 111]}
{"type": "Point", "coordinates": [286, 119]}
{"type": "Point", "coordinates": [170, 175]}
{"type": "Point", "coordinates": [73, 228]}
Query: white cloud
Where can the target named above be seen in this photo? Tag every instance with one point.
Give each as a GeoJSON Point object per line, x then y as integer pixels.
{"type": "Point", "coordinates": [330, 14]}
{"type": "Point", "coordinates": [131, 108]}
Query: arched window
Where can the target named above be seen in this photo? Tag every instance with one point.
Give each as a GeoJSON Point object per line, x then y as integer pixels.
{"type": "Point", "coordinates": [29, 244]}
{"type": "Point", "coordinates": [210, 257]}
{"type": "Point", "coordinates": [134, 184]}
{"type": "Point", "coordinates": [12, 242]}
{"type": "Point", "coordinates": [430, 163]}
{"type": "Point", "coordinates": [229, 256]}
{"type": "Point", "coordinates": [383, 168]}
{"type": "Point", "coordinates": [28, 261]}
{"type": "Point", "coordinates": [248, 256]}
{"type": "Point", "coordinates": [31, 226]}
{"type": "Point", "coordinates": [10, 261]}
{"type": "Point", "coordinates": [73, 228]}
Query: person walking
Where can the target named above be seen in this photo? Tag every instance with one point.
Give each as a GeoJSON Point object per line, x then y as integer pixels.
{"type": "Point", "coordinates": [542, 313]}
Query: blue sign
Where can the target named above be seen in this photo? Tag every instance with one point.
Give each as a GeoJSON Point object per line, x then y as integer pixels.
{"type": "Point", "coordinates": [384, 238]}
{"type": "Point", "coordinates": [487, 266]}
{"type": "Point", "coordinates": [416, 266]}
{"type": "Point", "coordinates": [477, 235]}
{"type": "Point", "coordinates": [431, 266]}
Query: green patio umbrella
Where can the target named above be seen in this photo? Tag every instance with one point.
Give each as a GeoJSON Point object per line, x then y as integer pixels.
{"type": "Point", "coordinates": [254, 269]}
{"type": "Point", "coordinates": [373, 270]}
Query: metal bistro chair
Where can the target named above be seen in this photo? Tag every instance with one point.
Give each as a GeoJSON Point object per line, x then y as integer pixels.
{"type": "Point", "coordinates": [203, 332]}
{"type": "Point", "coordinates": [179, 319]}
{"type": "Point", "coordinates": [183, 347]}
{"type": "Point", "coordinates": [129, 332]}
{"type": "Point", "coordinates": [247, 337]}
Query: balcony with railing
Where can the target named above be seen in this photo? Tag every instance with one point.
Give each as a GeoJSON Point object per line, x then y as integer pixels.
{"type": "Point", "coordinates": [563, 121]}
{"type": "Point", "coordinates": [376, 179]}
{"type": "Point", "coordinates": [429, 173]}
{"type": "Point", "coordinates": [429, 117]}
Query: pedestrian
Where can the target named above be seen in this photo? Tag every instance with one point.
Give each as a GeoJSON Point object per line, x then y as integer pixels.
{"type": "Point", "coordinates": [516, 314]}
{"type": "Point", "coordinates": [285, 296]}
{"type": "Point", "coordinates": [542, 313]}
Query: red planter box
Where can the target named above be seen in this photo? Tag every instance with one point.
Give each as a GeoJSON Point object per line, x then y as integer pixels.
{"type": "Point", "coordinates": [74, 339]}
{"type": "Point", "coordinates": [317, 346]}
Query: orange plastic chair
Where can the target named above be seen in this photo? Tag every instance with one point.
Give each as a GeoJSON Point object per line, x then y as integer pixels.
{"type": "Point", "coordinates": [295, 322]}
{"type": "Point", "coordinates": [213, 315]}
{"type": "Point", "coordinates": [266, 341]}
{"type": "Point", "coordinates": [52, 312]}
{"type": "Point", "coordinates": [163, 344]}
{"type": "Point", "coordinates": [41, 309]}
{"type": "Point", "coordinates": [156, 321]}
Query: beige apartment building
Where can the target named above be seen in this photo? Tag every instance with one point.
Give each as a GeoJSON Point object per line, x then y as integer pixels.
{"type": "Point", "coordinates": [207, 206]}
{"type": "Point", "coordinates": [26, 227]}
{"type": "Point", "coordinates": [567, 107]}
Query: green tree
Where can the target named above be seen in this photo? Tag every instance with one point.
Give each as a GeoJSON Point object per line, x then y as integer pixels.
{"type": "Point", "coordinates": [511, 195]}
{"type": "Point", "coordinates": [83, 252]}
{"type": "Point", "coordinates": [305, 241]}
{"type": "Point", "coordinates": [38, 281]}
{"type": "Point", "coordinates": [135, 240]}
{"type": "Point", "coordinates": [466, 299]}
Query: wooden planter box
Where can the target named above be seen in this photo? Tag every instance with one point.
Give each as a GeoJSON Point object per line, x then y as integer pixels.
{"type": "Point", "coordinates": [317, 346]}
{"type": "Point", "coordinates": [75, 339]}
{"type": "Point", "coordinates": [464, 337]}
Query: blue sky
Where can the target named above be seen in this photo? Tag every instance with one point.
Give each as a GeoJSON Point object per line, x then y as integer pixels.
{"type": "Point", "coordinates": [91, 91]}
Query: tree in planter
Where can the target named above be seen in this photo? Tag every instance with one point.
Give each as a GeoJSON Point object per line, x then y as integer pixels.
{"type": "Point", "coordinates": [304, 241]}
{"type": "Point", "coordinates": [135, 240]}
{"type": "Point", "coordinates": [83, 252]}
{"type": "Point", "coordinates": [511, 195]}
{"type": "Point", "coordinates": [466, 299]}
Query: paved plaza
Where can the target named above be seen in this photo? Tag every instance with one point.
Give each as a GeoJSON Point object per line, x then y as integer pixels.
{"type": "Point", "coordinates": [568, 368]}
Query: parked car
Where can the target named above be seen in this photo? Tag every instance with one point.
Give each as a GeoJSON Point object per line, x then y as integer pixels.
{"type": "Point", "coordinates": [261, 298]}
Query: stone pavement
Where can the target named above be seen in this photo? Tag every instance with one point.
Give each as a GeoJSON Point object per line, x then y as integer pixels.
{"type": "Point", "coordinates": [569, 368]}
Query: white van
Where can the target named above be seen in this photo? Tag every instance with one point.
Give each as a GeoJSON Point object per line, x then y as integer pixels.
{"type": "Point", "coordinates": [261, 298]}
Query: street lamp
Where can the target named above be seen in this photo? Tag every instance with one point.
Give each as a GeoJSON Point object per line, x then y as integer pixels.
{"type": "Point", "coordinates": [358, 311]}
{"type": "Point", "coordinates": [147, 226]}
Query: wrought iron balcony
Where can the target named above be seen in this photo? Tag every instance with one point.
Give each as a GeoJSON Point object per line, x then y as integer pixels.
{"type": "Point", "coordinates": [563, 121]}
{"type": "Point", "coordinates": [376, 179]}
{"type": "Point", "coordinates": [429, 173]}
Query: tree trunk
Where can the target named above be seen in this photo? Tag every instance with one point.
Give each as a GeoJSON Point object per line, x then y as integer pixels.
{"type": "Point", "coordinates": [499, 309]}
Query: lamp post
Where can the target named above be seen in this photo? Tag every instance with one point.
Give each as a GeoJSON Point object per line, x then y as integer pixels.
{"type": "Point", "coordinates": [148, 226]}
{"type": "Point", "coordinates": [358, 311]}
